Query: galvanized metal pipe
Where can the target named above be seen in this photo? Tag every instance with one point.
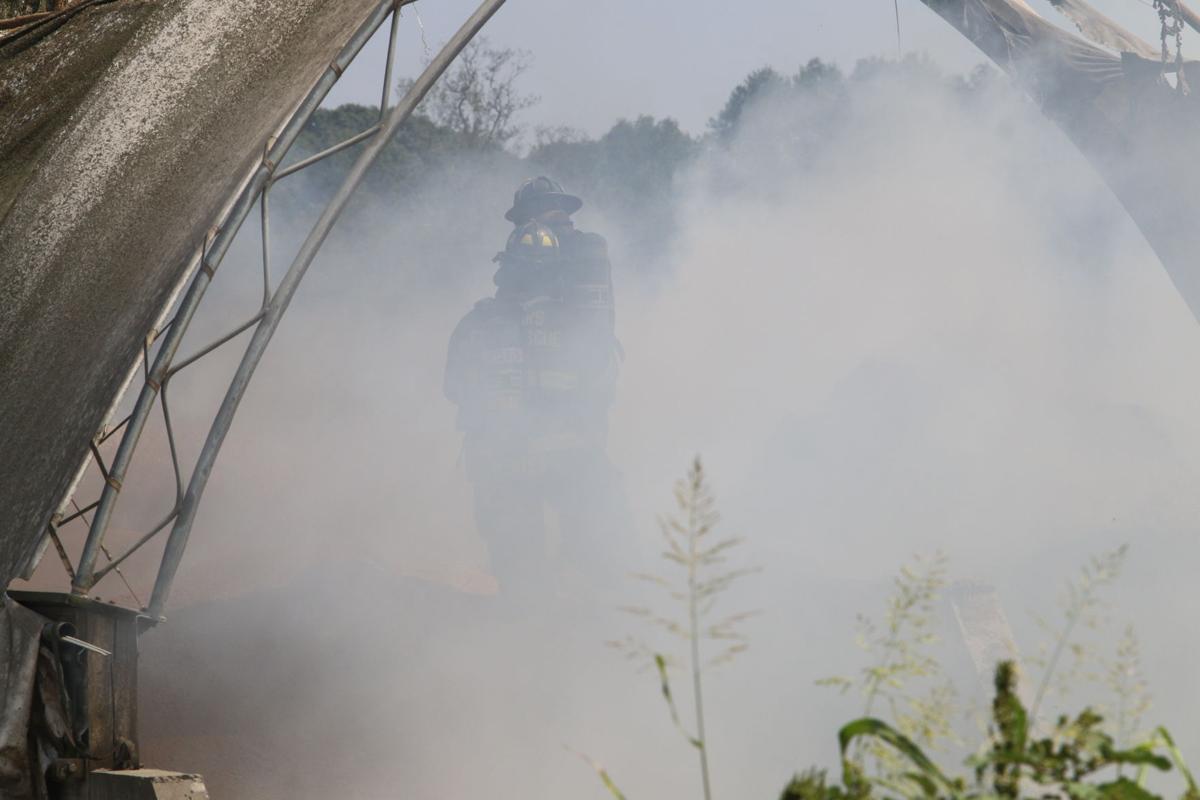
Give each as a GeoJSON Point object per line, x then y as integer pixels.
{"type": "Point", "coordinates": [389, 64]}
{"type": "Point", "coordinates": [209, 261]}
{"type": "Point", "coordinates": [180, 532]}
{"type": "Point", "coordinates": [326, 153]}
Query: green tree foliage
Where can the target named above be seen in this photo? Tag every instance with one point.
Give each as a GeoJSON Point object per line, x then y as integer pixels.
{"type": "Point", "coordinates": [915, 68]}
{"type": "Point", "coordinates": [471, 126]}
{"type": "Point", "coordinates": [814, 81]}
{"type": "Point", "coordinates": [757, 85]}
{"type": "Point", "coordinates": [818, 85]}
{"type": "Point", "coordinates": [419, 150]}
{"type": "Point", "coordinates": [630, 174]}
{"type": "Point", "coordinates": [818, 76]}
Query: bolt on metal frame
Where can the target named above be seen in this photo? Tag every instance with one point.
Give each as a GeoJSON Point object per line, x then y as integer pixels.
{"type": "Point", "coordinates": [158, 372]}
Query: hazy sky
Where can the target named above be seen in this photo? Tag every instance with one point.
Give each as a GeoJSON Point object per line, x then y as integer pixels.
{"type": "Point", "coordinates": [677, 59]}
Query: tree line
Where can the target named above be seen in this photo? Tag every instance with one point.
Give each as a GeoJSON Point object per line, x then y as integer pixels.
{"type": "Point", "coordinates": [631, 172]}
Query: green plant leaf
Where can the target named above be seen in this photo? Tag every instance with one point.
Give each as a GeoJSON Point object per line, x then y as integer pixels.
{"type": "Point", "coordinates": [660, 662]}
{"type": "Point", "coordinates": [878, 729]}
{"type": "Point", "coordinates": [1140, 755]}
{"type": "Point", "coordinates": [602, 774]}
{"type": "Point", "coordinates": [1177, 757]}
{"type": "Point", "coordinates": [1124, 789]}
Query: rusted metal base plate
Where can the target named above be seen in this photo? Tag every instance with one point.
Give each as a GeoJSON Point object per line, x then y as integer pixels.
{"type": "Point", "coordinates": [145, 784]}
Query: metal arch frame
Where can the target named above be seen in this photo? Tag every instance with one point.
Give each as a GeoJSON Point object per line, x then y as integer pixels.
{"type": "Point", "coordinates": [255, 189]}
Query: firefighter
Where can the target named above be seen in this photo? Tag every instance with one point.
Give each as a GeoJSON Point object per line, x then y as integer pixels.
{"type": "Point", "coordinates": [533, 373]}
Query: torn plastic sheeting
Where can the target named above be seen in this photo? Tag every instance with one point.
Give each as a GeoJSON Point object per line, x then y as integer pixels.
{"type": "Point", "coordinates": [1102, 30]}
{"type": "Point", "coordinates": [1136, 129]}
{"type": "Point", "coordinates": [20, 643]}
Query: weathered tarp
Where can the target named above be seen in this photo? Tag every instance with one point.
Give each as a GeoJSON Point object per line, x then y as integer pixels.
{"type": "Point", "coordinates": [1135, 129]}
{"type": "Point", "coordinates": [20, 638]}
{"type": "Point", "coordinates": [122, 134]}
{"type": "Point", "coordinates": [1100, 29]}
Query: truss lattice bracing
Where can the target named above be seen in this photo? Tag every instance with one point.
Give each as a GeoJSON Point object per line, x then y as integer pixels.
{"type": "Point", "coordinates": [160, 360]}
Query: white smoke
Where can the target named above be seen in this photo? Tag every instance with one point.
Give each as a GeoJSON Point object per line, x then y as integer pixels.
{"type": "Point", "coordinates": [935, 330]}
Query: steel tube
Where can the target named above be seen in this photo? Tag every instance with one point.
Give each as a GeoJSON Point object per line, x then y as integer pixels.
{"type": "Point", "coordinates": [180, 532]}
{"type": "Point", "coordinates": [264, 227]}
{"type": "Point", "coordinates": [113, 431]}
{"type": "Point", "coordinates": [113, 564]}
{"type": "Point", "coordinates": [210, 259]}
{"type": "Point", "coordinates": [326, 153]}
{"type": "Point", "coordinates": [79, 513]}
{"type": "Point", "coordinates": [208, 348]}
{"type": "Point", "coordinates": [391, 59]}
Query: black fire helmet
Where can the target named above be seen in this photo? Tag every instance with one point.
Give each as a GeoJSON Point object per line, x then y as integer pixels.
{"type": "Point", "coordinates": [537, 195]}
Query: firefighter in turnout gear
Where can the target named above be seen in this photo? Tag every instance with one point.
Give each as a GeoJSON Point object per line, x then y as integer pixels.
{"type": "Point", "coordinates": [533, 373]}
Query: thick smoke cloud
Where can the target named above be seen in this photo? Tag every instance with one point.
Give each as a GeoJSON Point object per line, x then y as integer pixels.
{"type": "Point", "coordinates": [928, 328]}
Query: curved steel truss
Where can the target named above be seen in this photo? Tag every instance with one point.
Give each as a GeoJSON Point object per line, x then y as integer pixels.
{"type": "Point", "coordinates": [161, 361]}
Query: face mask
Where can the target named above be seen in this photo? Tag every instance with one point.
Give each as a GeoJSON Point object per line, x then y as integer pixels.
{"type": "Point", "coordinates": [554, 217]}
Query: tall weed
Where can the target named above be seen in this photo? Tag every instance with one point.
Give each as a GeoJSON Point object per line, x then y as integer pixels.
{"type": "Point", "coordinates": [697, 575]}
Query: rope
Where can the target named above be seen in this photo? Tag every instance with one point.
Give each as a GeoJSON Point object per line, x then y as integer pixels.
{"type": "Point", "coordinates": [38, 25]}
{"type": "Point", "coordinates": [899, 45]}
{"type": "Point", "coordinates": [1172, 24]}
